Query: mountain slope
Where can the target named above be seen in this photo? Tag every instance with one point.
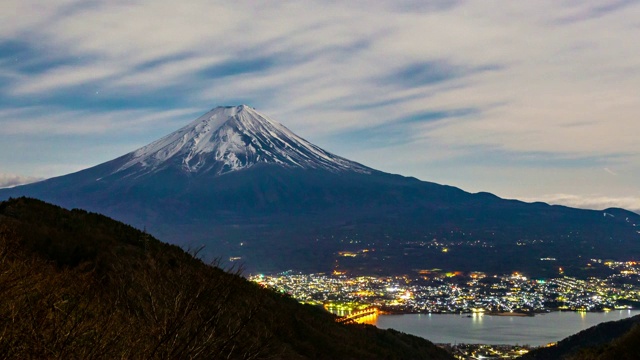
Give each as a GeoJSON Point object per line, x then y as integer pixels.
{"type": "Point", "coordinates": [79, 285]}
{"type": "Point", "coordinates": [610, 340]}
{"type": "Point", "coordinates": [229, 139]}
{"type": "Point", "coordinates": [626, 347]}
{"type": "Point", "coordinates": [247, 187]}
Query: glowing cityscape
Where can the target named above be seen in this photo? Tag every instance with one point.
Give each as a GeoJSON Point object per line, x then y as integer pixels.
{"type": "Point", "coordinates": [455, 292]}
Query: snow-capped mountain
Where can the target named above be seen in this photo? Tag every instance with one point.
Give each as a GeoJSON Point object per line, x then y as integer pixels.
{"type": "Point", "coordinates": [228, 139]}
{"type": "Point", "coordinates": [247, 187]}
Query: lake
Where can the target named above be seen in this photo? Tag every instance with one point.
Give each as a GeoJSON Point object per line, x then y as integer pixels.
{"type": "Point", "coordinates": [487, 329]}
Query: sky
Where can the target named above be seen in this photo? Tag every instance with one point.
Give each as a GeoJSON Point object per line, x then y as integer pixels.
{"type": "Point", "coordinates": [534, 100]}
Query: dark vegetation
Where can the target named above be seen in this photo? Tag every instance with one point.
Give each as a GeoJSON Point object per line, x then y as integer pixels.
{"type": "Point", "coordinates": [626, 347]}
{"type": "Point", "coordinates": [615, 340]}
{"type": "Point", "coordinates": [78, 285]}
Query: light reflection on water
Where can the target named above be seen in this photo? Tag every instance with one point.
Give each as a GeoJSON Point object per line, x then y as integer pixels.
{"type": "Point", "coordinates": [369, 319]}
{"type": "Point", "coordinates": [487, 329]}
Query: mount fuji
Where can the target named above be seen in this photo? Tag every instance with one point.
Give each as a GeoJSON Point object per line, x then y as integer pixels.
{"type": "Point", "coordinates": [228, 139]}
{"type": "Point", "coordinates": [250, 190]}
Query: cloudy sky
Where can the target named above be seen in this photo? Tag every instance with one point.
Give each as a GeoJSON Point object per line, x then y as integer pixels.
{"type": "Point", "coordinates": [537, 100]}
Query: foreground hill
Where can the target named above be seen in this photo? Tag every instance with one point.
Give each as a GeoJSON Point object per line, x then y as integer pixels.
{"type": "Point", "coordinates": [77, 285]}
{"type": "Point", "coordinates": [615, 340]}
{"type": "Point", "coordinates": [249, 188]}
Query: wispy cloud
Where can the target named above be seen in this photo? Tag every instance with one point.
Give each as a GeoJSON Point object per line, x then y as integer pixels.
{"type": "Point", "coordinates": [548, 83]}
{"type": "Point", "coordinates": [432, 72]}
{"type": "Point", "coordinates": [597, 10]}
{"type": "Point", "coordinates": [51, 121]}
{"type": "Point", "coordinates": [10, 180]}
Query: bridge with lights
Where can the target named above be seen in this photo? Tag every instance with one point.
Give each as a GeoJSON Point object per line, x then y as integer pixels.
{"type": "Point", "coordinates": [354, 316]}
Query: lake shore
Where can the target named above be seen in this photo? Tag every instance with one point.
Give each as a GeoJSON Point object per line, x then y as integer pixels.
{"type": "Point", "coordinates": [387, 311]}
{"type": "Point", "coordinates": [503, 329]}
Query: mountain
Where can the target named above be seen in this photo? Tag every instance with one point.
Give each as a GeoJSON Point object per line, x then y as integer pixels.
{"type": "Point", "coordinates": [77, 285]}
{"type": "Point", "coordinates": [250, 190]}
{"type": "Point", "coordinates": [614, 340]}
{"type": "Point", "coordinates": [228, 139]}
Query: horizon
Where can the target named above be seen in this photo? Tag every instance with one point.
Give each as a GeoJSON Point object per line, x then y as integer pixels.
{"type": "Point", "coordinates": [533, 101]}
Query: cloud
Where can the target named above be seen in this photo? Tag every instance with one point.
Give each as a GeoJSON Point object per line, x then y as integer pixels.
{"type": "Point", "coordinates": [64, 77]}
{"type": "Point", "coordinates": [594, 201]}
{"type": "Point", "coordinates": [541, 84]}
{"type": "Point", "coordinates": [10, 180]}
{"type": "Point", "coordinates": [432, 72]}
{"type": "Point", "coordinates": [51, 121]}
{"type": "Point", "coordinates": [598, 10]}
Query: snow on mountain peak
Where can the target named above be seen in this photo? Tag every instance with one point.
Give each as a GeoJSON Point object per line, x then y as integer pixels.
{"type": "Point", "coordinates": [233, 138]}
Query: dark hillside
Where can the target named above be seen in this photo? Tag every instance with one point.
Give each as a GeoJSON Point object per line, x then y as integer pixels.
{"type": "Point", "coordinates": [77, 285]}
{"type": "Point", "coordinates": [626, 347]}
{"type": "Point", "coordinates": [611, 340]}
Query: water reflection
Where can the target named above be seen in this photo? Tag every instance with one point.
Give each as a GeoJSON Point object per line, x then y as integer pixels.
{"type": "Point", "coordinates": [489, 329]}
{"type": "Point", "coordinates": [369, 319]}
{"type": "Point", "coordinates": [477, 318]}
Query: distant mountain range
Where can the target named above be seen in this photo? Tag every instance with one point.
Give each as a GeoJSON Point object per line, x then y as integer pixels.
{"type": "Point", "coordinates": [252, 191]}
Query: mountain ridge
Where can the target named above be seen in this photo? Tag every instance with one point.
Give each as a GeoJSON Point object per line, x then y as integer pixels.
{"type": "Point", "coordinates": [299, 206]}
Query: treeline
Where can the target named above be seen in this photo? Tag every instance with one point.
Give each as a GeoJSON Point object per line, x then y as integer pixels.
{"type": "Point", "coordinates": [76, 285]}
